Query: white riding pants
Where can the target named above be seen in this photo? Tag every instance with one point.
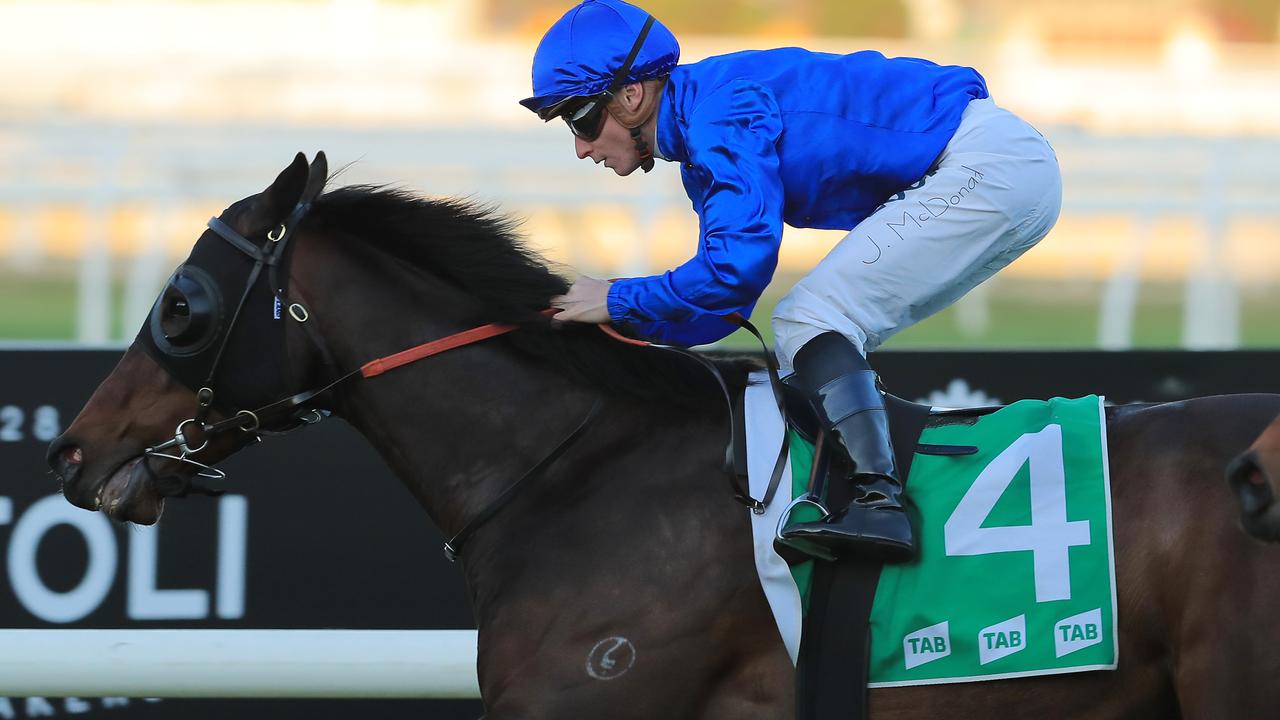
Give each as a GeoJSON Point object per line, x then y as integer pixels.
{"type": "Point", "coordinates": [994, 192]}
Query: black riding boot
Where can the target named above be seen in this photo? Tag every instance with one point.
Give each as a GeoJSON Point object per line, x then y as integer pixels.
{"type": "Point", "coordinates": [842, 388]}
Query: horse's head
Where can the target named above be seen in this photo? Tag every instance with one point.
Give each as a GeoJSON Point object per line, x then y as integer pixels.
{"type": "Point", "coordinates": [213, 346]}
{"type": "Point", "coordinates": [1252, 478]}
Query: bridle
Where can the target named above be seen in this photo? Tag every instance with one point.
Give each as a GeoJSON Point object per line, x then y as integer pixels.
{"type": "Point", "coordinates": [295, 411]}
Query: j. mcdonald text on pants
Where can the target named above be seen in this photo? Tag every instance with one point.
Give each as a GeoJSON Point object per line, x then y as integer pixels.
{"type": "Point", "coordinates": [930, 208]}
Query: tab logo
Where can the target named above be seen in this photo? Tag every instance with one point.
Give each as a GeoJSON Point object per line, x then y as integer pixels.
{"type": "Point", "coordinates": [927, 644]}
{"type": "Point", "coordinates": [1002, 639]}
{"type": "Point", "coordinates": [1077, 632]}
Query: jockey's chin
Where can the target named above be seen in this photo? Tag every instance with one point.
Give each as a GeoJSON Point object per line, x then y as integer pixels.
{"type": "Point", "coordinates": [614, 148]}
{"type": "Point", "coordinates": [626, 166]}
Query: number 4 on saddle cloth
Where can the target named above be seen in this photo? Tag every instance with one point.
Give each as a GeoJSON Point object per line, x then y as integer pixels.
{"type": "Point", "coordinates": [1015, 572]}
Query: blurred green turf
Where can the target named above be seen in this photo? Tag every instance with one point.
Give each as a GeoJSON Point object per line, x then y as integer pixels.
{"type": "Point", "coordinates": [1023, 314]}
{"type": "Point", "coordinates": [43, 306]}
{"type": "Point", "coordinates": [1048, 314]}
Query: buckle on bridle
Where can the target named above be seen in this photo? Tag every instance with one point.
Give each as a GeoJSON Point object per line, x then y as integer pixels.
{"type": "Point", "coordinates": [252, 419]}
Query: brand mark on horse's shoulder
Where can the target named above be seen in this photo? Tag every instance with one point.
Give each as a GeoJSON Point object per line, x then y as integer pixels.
{"type": "Point", "coordinates": [611, 658]}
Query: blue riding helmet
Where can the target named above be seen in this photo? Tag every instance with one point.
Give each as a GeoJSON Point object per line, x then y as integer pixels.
{"type": "Point", "coordinates": [582, 51]}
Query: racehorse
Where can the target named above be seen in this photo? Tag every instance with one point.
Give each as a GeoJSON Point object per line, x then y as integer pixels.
{"type": "Point", "coordinates": [627, 536]}
{"type": "Point", "coordinates": [1252, 475]}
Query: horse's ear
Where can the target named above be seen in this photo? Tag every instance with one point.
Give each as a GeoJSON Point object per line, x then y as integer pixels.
{"type": "Point", "coordinates": [275, 203]}
{"type": "Point", "coordinates": [317, 177]}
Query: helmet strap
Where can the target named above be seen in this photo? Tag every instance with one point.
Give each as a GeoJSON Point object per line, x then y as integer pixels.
{"type": "Point", "coordinates": [647, 109]}
{"type": "Point", "coordinates": [642, 147]}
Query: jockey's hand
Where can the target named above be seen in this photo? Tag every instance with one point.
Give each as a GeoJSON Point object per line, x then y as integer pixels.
{"type": "Point", "coordinates": [586, 302]}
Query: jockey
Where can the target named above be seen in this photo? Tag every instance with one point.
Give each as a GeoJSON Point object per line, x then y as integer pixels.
{"type": "Point", "coordinates": [938, 187]}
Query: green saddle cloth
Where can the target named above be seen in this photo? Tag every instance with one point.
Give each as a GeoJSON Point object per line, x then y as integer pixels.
{"type": "Point", "coordinates": [1016, 573]}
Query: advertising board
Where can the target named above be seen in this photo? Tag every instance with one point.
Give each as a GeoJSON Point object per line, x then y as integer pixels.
{"type": "Point", "coordinates": [315, 532]}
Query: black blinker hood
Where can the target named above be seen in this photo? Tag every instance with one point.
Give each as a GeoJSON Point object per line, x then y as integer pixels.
{"type": "Point", "coordinates": [252, 370]}
{"type": "Point", "coordinates": [227, 304]}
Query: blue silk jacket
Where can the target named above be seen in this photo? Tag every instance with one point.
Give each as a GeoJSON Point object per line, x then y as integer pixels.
{"type": "Point", "coordinates": [771, 136]}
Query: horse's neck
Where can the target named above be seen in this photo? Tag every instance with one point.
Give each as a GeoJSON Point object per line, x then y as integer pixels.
{"type": "Point", "coordinates": [456, 428]}
{"type": "Point", "coordinates": [458, 431]}
{"type": "Point", "coordinates": [461, 427]}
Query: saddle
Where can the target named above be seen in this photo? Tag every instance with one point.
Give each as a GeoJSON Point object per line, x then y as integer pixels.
{"type": "Point", "coordinates": [832, 668]}
{"type": "Point", "coordinates": [907, 421]}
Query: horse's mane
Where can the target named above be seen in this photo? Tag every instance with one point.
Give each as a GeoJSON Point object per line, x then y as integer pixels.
{"type": "Point", "coordinates": [478, 250]}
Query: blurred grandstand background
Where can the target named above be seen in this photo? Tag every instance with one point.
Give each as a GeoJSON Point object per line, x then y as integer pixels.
{"type": "Point", "coordinates": [125, 124]}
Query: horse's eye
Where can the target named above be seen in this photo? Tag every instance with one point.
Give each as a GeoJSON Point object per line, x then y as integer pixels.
{"type": "Point", "coordinates": [178, 306]}
{"type": "Point", "coordinates": [185, 308]}
{"type": "Point", "coordinates": [185, 318]}
{"type": "Point", "coordinates": [175, 315]}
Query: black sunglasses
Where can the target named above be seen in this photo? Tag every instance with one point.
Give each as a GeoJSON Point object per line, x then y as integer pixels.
{"type": "Point", "coordinates": [585, 114]}
{"type": "Point", "coordinates": [586, 118]}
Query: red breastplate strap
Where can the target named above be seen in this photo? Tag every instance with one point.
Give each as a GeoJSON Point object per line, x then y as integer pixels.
{"type": "Point", "coordinates": [374, 368]}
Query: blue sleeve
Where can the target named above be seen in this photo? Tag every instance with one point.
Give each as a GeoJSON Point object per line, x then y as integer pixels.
{"type": "Point", "coordinates": [731, 139]}
{"type": "Point", "coordinates": [700, 331]}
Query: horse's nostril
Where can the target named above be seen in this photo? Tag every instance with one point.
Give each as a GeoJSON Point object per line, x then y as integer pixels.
{"type": "Point", "coordinates": [65, 458]}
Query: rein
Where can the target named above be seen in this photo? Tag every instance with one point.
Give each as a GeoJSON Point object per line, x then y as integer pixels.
{"type": "Point", "coordinates": [453, 547]}
{"type": "Point", "coordinates": [736, 460]}
{"type": "Point", "coordinates": [295, 411]}
{"type": "Point", "coordinates": [250, 420]}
